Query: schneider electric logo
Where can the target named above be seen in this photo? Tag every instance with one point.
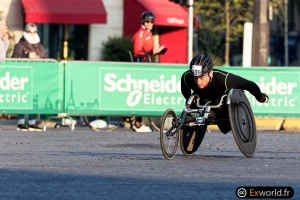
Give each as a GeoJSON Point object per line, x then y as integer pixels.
{"type": "Point", "coordinates": [159, 91]}
{"type": "Point", "coordinates": [15, 88]}
{"type": "Point", "coordinates": [134, 98]}
{"type": "Point", "coordinates": [281, 94]}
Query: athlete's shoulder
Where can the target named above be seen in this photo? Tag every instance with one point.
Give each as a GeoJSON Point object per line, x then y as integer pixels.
{"type": "Point", "coordinates": [186, 78]}
{"type": "Point", "coordinates": [220, 72]}
{"type": "Point", "coordinates": [186, 73]}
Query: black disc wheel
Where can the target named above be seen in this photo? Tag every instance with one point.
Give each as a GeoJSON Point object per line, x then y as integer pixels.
{"type": "Point", "coordinates": [109, 127]}
{"type": "Point", "coordinates": [169, 138]}
{"type": "Point", "coordinates": [191, 138]}
{"type": "Point", "coordinates": [242, 123]}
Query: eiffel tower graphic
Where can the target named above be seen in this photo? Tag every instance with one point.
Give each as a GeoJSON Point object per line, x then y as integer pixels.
{"type": "Point", "coordinates": [71, 100]}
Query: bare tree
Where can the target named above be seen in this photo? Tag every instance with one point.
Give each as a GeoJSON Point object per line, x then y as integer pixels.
{"type": "Point", "coordinates": [226, 17]}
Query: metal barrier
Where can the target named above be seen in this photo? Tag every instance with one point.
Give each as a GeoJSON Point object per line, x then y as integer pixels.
{"type": "Point", "coordinates": [32, 86]}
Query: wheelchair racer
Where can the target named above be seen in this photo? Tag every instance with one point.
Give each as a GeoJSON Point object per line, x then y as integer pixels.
{"type": "Point", "coordinates": [210, 84]}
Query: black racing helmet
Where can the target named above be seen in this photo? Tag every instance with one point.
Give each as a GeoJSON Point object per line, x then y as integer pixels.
{"type": "Point", "coordinates": [201, 65]}
{"type": "Point", "coordinates": [147, 15]}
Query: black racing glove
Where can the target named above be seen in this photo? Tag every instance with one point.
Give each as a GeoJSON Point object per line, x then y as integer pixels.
{"type": "Point", "coordinates": [265, 98]}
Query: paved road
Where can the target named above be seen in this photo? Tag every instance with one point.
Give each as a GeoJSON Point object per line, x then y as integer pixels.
{"type": "Point", "coordinates": [61, 164]}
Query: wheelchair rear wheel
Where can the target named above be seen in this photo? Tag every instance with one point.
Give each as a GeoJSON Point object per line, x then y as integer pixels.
{"type": "Point", "coordinates": [191, 138]}
{"type": "Point", "coordinates": [242, 123]}
{"type": "Point", "coordinates": [168, 138]}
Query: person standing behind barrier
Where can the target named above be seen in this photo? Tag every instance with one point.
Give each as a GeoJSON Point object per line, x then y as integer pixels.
{"type": "Point", "coordinates": [143, 43]}
{"type": "Point", "coordinates": [4, 38]}
{"type": "Point", "coordinates": [29, 47]}
{"type": "Point", "coordinates": [144, 51]}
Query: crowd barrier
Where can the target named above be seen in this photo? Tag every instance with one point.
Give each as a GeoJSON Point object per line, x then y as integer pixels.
{"type": "Point", "coordinates": [31, 87]}
{"type": "Point", "coordinates": [126, 89]}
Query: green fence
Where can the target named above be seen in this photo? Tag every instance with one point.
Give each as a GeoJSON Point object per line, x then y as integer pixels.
{"type": "Point", "coordinates": [122, 88]}
{"type": "Point", "coordinates": [107, 88]}
{"type": "Point", "coordinates": [31, 87]}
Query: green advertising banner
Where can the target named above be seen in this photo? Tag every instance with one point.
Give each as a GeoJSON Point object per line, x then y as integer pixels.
{"type": "Point", "coordinates": [31, 87]}
{"type": "Point", "coordinates": [106, 88]}
{"type": "Point", "coordinates": [122, 89]}
{"type": "Point", "coordinates": [282, 85]}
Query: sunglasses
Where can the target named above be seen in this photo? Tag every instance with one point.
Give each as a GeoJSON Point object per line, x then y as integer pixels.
{"type": "Point", "coordinates": [31, 31]}
{"type": "Point", "coordinates": [149, 21]}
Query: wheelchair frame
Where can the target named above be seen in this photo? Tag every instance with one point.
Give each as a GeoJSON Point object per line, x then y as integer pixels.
{"type": "Point", "coordinates": [172, 132]}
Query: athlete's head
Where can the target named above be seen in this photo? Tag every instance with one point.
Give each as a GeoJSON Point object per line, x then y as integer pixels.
{"type": "Point", "coordinates": [148, 19]}
{"type": "Point", "coordinates": [201, 69]}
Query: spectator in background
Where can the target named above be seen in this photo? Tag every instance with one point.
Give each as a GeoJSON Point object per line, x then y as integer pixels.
{"type": "Point", "coordinates": [4, 41]}
{"type": "Point", "coordinates": [143, 43]}
{"type": "Point", "coordinates": [144, 51]}
{"type": "Point", "coordinates": [29, 47]}
{"type": "Point", "coordinates": [4, 38]}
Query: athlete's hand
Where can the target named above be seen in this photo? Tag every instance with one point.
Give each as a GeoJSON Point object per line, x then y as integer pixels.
{"type": "Point", "coordinates": [265, 98]}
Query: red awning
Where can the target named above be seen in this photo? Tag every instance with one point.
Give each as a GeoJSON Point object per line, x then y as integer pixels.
{"type": "Point", "coordinates": [167, 13]}
{"type": "Point", "coordinates": [64, 11]}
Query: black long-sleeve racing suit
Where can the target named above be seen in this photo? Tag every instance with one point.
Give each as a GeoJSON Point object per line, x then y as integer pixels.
{"type": "Point", "coordinates": [220, 84]}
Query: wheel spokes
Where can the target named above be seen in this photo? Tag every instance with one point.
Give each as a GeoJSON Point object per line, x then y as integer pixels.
{"type": "Point", "coordinates": [168, 137]}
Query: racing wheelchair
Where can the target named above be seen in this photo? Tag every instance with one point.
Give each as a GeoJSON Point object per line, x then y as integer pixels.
{"type": "Point", "coordinates": [190, 126]}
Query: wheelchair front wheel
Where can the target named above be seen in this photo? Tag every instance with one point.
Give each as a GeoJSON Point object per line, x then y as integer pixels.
{"type": "Point", "coordinates": [168, 138]}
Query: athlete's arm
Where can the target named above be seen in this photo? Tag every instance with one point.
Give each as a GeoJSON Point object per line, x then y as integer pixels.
{"type": "Point", "coordinates": [234, 81]}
